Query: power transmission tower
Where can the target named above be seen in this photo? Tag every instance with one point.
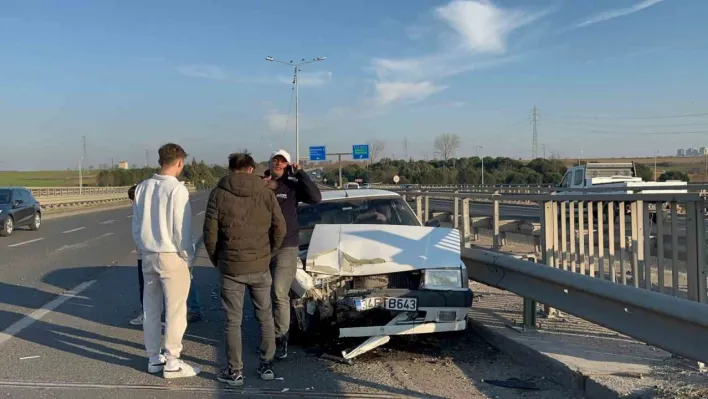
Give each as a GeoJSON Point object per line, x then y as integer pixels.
{"type": "Point", "coordinates": [147, 159]}
{"type": "Point", "coordinates": [534, 145]}
{"type": "Point", "coordinates": [405, 146]}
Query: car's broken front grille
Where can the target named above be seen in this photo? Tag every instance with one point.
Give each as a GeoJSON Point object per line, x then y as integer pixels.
{"type": "Point", "coordinates": [403, 280]}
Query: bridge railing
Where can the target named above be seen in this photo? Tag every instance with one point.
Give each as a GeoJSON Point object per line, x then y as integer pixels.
{"type": "Point", "coordinates": [525, 189]}
{"type": "Point", "coordinates": [654, 242]}
{"type": "Point", "coordinates": [44, 192]}
{"type": "Point", "coordinates": [676, 325]}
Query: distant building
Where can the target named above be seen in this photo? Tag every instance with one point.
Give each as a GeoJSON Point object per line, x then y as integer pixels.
{"type": "Point", "coordinates": [123, 165]}
{"type": "Point", "coordinates": [680, 153]}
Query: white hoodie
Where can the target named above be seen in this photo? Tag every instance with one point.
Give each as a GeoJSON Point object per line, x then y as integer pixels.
{"type": "Point", "coordinates": [162, 217]}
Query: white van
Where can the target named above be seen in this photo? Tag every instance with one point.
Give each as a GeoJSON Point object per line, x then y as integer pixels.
{"type": "Point", "coordinates": [351, 186]}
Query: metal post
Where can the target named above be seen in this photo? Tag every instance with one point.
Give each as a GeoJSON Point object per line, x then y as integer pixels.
{"type": "Point", "coordinates": [297, 126]}
{"type": "Point", "coordinates": [497, 242]}
{"type": "Point", "coordinates": [340, 171]}
{"type": "Point", "coordinates": [695, 251]}
{"type": "Point", "coordinates": [466, 231]}
{"type": "Point", "coordinates": [426, 211]}
{"type": "Point", "coordinates": [419, 207]}
{"type": "Point", "coordinates": [456, 212]}
{"type": "Point", "coordinates": [81, 176]}
{"type": "Point", "coordinates": [548, 254]}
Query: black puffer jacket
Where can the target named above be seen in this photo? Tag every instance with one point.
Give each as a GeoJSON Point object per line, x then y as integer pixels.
{"type": "Point", "coordinates": [243, 225]}
{"type": "Point", "coordinates": [290, 191]}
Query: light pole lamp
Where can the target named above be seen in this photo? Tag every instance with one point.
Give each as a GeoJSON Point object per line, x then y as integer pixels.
{"type": "Point", "coordinates": [296, 68]}
{"type": "Point", "coordinates": [477, 148]}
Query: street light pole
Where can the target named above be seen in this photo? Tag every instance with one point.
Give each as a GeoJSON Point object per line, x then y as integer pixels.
{"type": "Point", "coordinates": [296, 67]}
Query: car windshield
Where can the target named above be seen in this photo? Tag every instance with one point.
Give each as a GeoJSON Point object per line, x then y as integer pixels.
{"type": "Point", "coordinates": [4, 196]}
{"type": "Point", "coordinates": [392, 211]}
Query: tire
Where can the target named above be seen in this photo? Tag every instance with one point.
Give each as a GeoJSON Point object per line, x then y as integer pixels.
{"type": "Point", "coordinates": [36, 222]}
{"type": "Point", "coordinates": [8, 226]}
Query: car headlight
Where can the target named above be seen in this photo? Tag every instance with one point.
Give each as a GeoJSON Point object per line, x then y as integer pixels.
{"type": "Point", "coordinates": [441, 279]}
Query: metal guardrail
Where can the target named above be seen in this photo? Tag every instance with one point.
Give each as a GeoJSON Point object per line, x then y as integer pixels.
{"type": "Point", "coordinates": [540, 189]}
{"type": "Point", "coordinates": [43, 192]}
{"type": "Point", "coordinates": [673, 324]}
{"type": "Point", "coordinates": [590, 236]}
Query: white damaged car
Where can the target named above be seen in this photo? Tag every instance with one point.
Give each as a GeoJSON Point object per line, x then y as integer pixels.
{"type": "Point", "coordinates": [369, 268]}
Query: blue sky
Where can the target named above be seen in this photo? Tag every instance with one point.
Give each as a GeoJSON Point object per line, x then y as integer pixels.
{"type": "Point", "coordinates": [132, 75]}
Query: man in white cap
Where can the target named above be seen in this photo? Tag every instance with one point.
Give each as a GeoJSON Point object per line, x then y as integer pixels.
{"type": "Point", "coordinates": [292, 186]}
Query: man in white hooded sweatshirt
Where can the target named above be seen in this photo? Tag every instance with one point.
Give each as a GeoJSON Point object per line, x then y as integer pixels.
{"type": "Point", "coordinates": [162, 230]}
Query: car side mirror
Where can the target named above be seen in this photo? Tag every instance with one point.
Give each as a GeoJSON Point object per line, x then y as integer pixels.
{"type": "Point", "coordinates": [17, 203]}
{"type": "Point", "coordinates": [432, 223]}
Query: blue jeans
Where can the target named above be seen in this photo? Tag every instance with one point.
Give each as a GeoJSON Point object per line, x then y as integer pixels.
{"type": "Point", "coordinates": [192, 301]}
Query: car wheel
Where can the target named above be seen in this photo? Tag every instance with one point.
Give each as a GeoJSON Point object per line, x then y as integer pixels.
{"type": "Point", "coordinates": [37, 222]}
{"type": "Point", "coordinates": [7, 227]}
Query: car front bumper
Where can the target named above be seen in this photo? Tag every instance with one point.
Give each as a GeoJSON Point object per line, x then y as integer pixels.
{"type": "Point", "coordinates": [437, 311]}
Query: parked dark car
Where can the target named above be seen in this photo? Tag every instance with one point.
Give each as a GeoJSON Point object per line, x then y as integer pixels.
{"type": "Point", "coordinates": [18, 208]}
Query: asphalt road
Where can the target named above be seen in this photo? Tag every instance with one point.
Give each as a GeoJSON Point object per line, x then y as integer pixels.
{"type": "Point", "coordinates": [58, 343]}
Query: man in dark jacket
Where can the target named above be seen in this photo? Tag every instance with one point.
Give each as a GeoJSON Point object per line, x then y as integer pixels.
{"type": "Point", "coordinates": [243, 226]}
{"type": "Point", "coordinates": [292, 186]}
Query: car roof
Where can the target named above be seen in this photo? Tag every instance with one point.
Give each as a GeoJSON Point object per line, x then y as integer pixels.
{"type": "Point", "coordinates": [333, 195]}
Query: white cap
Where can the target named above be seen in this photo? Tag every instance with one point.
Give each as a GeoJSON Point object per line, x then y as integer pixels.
{"type": "Point", "coordinates": [282, 153]}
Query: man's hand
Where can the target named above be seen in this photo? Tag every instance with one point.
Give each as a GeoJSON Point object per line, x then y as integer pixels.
{"type": "Point", "coordinates": [296, 167]}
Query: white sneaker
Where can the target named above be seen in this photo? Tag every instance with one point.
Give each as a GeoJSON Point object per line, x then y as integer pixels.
{"type": "Point", "coordinates": [156, 367]}
{"type": "Point", "coordinates": [138, 321]}
{"type": "Point", "coordinates": [180, 369]}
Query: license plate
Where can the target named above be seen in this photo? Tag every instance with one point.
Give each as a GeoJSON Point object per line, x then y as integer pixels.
{"type": "Point", "coordinates": [405, 304]}
{"type": "Point", "coordinates": [408, 304]}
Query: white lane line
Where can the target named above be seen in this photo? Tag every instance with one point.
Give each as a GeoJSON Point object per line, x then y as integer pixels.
{"type": "Point", "coordinates": [82, 244]}
{"type": "Point", "coordinates": [200, 213]}
{"type": "Point", "coordinates": [25, 242]}
{"type": "Point", "coordinates": [73, 230]}
{"type": "Point", "coordinates": [31, 318]}
{"type": "Point", "coordinates": [129, 217]}
{"type": "Point", "coordinates": [108, 222]}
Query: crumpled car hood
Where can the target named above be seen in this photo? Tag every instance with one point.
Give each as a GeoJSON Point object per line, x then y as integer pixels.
{"type": "Point", "coordinates": [363, 250]}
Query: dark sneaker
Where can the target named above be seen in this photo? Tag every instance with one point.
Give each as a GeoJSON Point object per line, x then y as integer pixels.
{"type": "Point", "coordinates": [230, 377]}
{"type": "Point", "coordinates": [266, 371]}
{"type": "Point", "coordinates": [281, 348]}
{"type": "Point", "coordinates": [193, 317]}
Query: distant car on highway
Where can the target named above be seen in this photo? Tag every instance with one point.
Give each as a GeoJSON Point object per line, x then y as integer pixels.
{"type": "Point", "coordinates": [370, 269]}
{"type": "Point", "coordinates": [18, 208]}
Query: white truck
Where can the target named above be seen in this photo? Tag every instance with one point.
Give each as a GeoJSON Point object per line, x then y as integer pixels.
{"type": "Point", "coordinates": [622, 175]}
{"type": "Point", "coordinates": [614, 178]}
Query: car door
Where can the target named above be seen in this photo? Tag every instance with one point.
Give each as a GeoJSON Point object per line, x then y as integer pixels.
{"type": "Point", "coordinates": [23, 212]}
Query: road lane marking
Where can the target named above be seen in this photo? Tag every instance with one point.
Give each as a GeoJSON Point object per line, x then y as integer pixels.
{"type": "Point", "coordinates": [73, 230]}
{"type": "Point", "coordinates": [200, 213]}
{"type": "Point", "coordinates": [108, 222]}
{"type": "Point", "coordinates": [25, 242]}
{"type": "Point", "coordinates": [82, 244]}
{"type": "Point", "coordinates": [35, 316]}
{"type": "Point", "coordinates": [129, 217]}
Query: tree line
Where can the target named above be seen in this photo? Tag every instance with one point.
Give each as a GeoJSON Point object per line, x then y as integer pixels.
{"type": "Point", "coordinates": [198, 173]}
{"type": "Point", "coordinates": [499, 170]}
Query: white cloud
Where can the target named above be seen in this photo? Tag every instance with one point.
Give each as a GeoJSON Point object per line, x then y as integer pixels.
{"type": "Point", "coordinates": [482, 27]}
{"type": "Point", "coordinates": [616, 13]}
{"type": "Point", "coordinates": [277, 122]}
{"type": "Point", "coordinates": [309, 78]}
{"type": "Point", "coordinates": [389, 92]}
{"type": "Point", "coordinates": [204, 71]}
{"type": "Point", "coordinates": [473, 34]}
